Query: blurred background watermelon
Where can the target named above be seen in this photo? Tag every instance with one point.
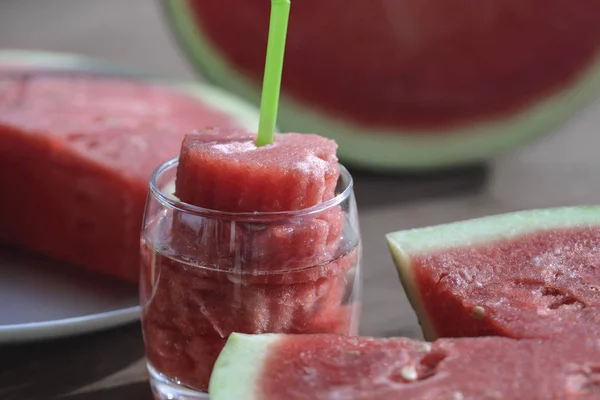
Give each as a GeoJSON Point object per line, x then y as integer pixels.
{"type": "Point", "coordinates": [407, 84]}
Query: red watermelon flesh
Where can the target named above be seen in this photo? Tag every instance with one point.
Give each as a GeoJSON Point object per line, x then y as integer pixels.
{"type": "Point", "coordinates": [409, 64]}
{"type": "Point", "coordinates": [259, 247]}
{"type": "Point", "coordinates": [220, 303]}
{"type": "Point", "coordinates": [526, 280]}
{"type": "Point", "coordinates": [327, 367]}
{"type": "Point", "coordinates": [191, 303]}
{"type": "Point", "coordinates": [180, 356]}
{"type": "Point", "coordinates": [223, 169]}
{"type": "Point", "coordinates": [76, 154]}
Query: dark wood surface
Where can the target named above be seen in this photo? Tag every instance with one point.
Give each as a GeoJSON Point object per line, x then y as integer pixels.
{"type": "Point", "coordinates": [562, 169]}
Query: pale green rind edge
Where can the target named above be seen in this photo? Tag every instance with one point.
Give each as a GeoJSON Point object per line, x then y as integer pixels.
{"type": "Point", "coordinates": [406, 243]}
{"type": "Point", "coordinates": [388, 150]}
{"type": "Point", "coordinates": [407, 281]}
{"type": "Point", "coordinates": [494, 227]}
{"type": "Point", "coordinates": [239, 365]}
{"type": "Point", "coordinates": [245, 114]}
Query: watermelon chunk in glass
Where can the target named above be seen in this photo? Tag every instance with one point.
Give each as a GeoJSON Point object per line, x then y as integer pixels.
{"type": "Point", "coordinates": [531, 273]}
{"type": "Point", "coordinates": [294, 243]}
{"type": "Point", "coordinates": [223, 169]}
{"type": "Point", "coordinates": [221, 272]}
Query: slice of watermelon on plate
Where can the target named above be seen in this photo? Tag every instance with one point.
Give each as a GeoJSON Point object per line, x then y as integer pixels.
{"type": "Point", "coordinates": [74, 131]}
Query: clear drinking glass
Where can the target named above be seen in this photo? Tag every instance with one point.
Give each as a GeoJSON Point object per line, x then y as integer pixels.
{"type": "Point", "coordinates": [207, 273]}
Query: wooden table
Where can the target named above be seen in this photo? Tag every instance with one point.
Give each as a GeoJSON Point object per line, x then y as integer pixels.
{"type": "Point", "coordinates": [562, 169]}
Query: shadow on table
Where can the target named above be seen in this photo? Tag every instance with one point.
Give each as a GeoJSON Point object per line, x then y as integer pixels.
{"type": "Point", "coordinates": [51, 369]}
{"type": "Point", "coordinates": [381, 189]}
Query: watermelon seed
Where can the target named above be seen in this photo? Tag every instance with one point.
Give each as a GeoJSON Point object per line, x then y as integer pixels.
{"type": "Point", "coordinates": [424, 347]}
{"type": "Point", "coordinates": [478, 313]}
{"type": "Point", "coordinates": [457, 396]}
{"type": "Point", "coordinates": [427, 368]}
{"type": "Point", "coordinates": [409, 373]}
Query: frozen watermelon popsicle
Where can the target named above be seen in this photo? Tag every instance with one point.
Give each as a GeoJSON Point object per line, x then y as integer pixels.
{"type": "Point", "coordinates": [258, 239]}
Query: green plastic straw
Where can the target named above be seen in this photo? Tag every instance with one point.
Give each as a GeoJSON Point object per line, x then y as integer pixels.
{"type": "Point", "coordinates": [280, 12]}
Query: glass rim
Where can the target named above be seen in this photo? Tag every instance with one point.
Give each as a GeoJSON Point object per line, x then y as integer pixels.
{"type": "Point", "coordinates": [176, 204]}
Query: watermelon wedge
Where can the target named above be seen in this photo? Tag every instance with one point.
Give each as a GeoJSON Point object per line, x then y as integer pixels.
{"type": "Point", "coordinates": [407, 84]}
{"type": "Point", "coordinates": [525, 274]}
{"type": "Point", "coordinates": [78, 143]}
{"type": "Point", "coordinates": [332, 367]}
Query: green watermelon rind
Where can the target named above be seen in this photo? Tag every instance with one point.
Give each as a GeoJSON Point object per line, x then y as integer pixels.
{"type": "Point", "coordinates": [406, 244]}
{"type": "Point", "coordinates": [238, 367]}
{"type": "Point", "coordinates": [386, 150]}
{"type": "Point", "coordinates": [245, 114]}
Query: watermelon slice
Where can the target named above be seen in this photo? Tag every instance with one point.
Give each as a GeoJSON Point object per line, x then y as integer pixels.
{"type": "Point", "coordinates": [524, 274]}
{"type": "Point", "coordinates": [77, 148]}
{"type": "Point", "coordinates": [407, 84]}
{"type": "Point", "coordinates": [327, 367]}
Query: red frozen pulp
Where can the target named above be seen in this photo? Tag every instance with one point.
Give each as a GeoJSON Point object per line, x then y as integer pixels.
{"type": "Point", "coordinates": [224, 170]}
{"type": "Point", "coordinates": [284, 246]}
{"type": "Point", "coordinates": [220, 276]}
{"type": "Point", "coordinates": [76, 154]}
{"type": "Point", "coordinates": [190, 303]}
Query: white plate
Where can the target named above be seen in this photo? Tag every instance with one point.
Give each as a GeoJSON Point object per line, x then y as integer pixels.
{"type": "Point", "coordinates": [42, 299]}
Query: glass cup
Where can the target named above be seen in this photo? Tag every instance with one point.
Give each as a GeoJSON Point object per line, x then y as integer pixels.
{"type": "Point", "coordinates": [206, 274]}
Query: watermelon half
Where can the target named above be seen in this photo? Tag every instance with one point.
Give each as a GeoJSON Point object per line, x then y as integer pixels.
{"type": "Point", "coordinates": [532, 273]}
{"type": "Point", "coordinates": [407, 84]}
{"type": "Point", "coordinates": [328, 367]}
